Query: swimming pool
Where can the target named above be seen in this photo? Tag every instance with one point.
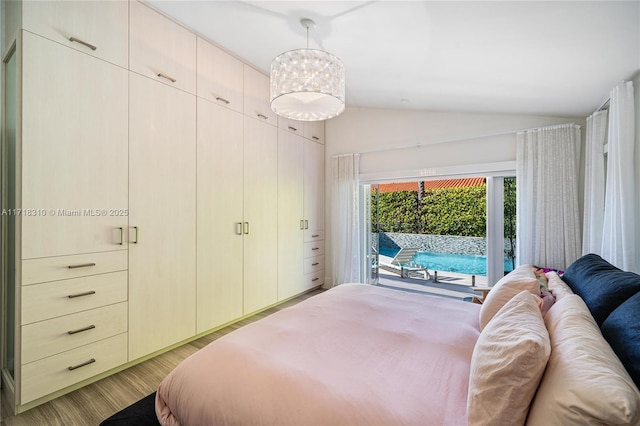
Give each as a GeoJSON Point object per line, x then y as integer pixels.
{"type": "Point", "coordinates": [460, 263]}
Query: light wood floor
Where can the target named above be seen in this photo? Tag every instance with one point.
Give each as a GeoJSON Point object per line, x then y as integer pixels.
{"type": "Point", "coordinates": [97, 401]}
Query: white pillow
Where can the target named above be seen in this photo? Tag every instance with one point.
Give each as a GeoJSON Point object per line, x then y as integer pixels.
{"type": "Point", "coordinates": [585, 382]}
{"type": "Point", "coordinates": [507, 363]}
{"type": "Point", "coordinates": [557, 287]}
{"type": "Point", "coordinates": [521, 278]}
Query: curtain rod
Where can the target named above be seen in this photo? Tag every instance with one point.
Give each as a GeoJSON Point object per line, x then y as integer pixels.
{"type": "Point", "coordinates": [605, 105]}
{"type": "Point", "coordinates": [420, 145]}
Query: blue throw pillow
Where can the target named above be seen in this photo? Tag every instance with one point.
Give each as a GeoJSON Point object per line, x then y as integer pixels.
{"type": "Point", "coordinates": [622, 331]}
{"type": "Point", "coordinates": [602, 286]}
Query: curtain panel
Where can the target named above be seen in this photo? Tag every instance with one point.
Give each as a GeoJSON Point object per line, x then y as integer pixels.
{"type": "Point", "coordinates": [346, 244]}
{"type": "Point", "coordinates": [548, 222]}
{"type": "Point", "coordinates": [594, 182]}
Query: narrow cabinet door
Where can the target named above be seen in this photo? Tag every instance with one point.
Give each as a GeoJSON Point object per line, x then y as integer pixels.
{"type": "Point", "coordinates": [220, 215]}
{"type": "Point", "coordinates": [74, 151]}
{"type": "Point", "coordinates": [162, 234]}
{"type": "Point", "coordinates": [290, 214]}
{"type": "Point", "coordinates": [260, 215]}
{"type": "Point", "coordinates": [314, 190]}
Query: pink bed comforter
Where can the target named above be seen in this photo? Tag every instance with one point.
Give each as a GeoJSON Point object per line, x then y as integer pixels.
{"type": "Point", "coordinates": [356, 354]}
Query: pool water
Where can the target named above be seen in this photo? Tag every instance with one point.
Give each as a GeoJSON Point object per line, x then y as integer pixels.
{"type": "Point", "coordinates": [460, 263]}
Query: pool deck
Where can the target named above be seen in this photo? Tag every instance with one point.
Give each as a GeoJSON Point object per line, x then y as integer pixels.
{"type": "Point", "coordinates": [449, 284]}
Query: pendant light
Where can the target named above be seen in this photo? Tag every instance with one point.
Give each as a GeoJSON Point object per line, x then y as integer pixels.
{"type": "Point", "coordinates": [307, 84]}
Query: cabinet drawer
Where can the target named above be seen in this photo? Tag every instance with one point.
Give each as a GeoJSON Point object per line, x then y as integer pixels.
{"type": "Point", "coordinates": [46, 269]}
{"type": "Point", "coordinates": [313, 264]}
{"type": "Point", "coordinates": [313, 279]}
{"type": "Point", "coordinates": [51, 337]}
{"type": "Point", "coordinates": [50, 374]}
{"type": "Point", "coordinates": [219, 76]}
{"type": "Point", "coordinates": [313, 235]}
{"type": "Point", "coordinates": [293, 126]}
{"type": "Point", "coordinates": [256, 96]}
{"type": "Point", "coordinates": [314, 248]}
{"type": "Point", "coordinates": [50, 300]}
{"type": "Point", "coordinates": [83, 25]}
{"type": "Point", "coordinates": [314, 130]}
{"type": "Point", "coordinates": [161, 49]}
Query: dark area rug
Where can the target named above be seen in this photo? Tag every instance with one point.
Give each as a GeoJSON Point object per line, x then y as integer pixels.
{"type": "Point", "coordinates": [141, 413]}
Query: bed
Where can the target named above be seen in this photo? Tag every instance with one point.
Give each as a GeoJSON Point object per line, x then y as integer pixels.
{"type": "Point", "coordinates": [363, 355]}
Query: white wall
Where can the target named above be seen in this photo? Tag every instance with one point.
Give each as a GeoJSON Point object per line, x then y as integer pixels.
{"type": "Point", "coordinates": [359, 130]}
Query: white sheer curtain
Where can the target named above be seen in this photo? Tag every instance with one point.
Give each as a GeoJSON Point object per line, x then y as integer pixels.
{"type": "Point", "coordinates": [346, 244]}
{"type": "Point", "coordinates": [594, 182]}
{"type": "Point", "coordinates": [548, 225]}
{"type": "Point", "coordinates": [619, 243]}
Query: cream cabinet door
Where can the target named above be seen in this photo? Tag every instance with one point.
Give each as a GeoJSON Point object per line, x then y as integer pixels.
{"type": "Point", "coordinates": [260, 215]}
{"type": "Point", "coordinates": [220, 215]}
{"type": "Point", "coordinates": [256, 96]}
{"type": "Point", "coordinates": [219, 76]}
{"type": "Point", "coordinates": [74, 151]}
{"type": "Point", "coordinates": [313, 190]}
{"type": "Point", "coordinates": [314, 130]}
{"type": "Point", "coordinates": [161, 49]}
{"type": "Point", "coordinates": [97, 28]}
{"type": "Point", "coordinates": [162, 233]}
{"type": "Point", "coordinates": [290, 214]}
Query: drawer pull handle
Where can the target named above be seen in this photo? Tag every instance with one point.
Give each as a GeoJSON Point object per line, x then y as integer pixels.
{"type": "Point", "coordinates": [86, 293]}
{"type": "Point", "coordinates": [84, 43]}
{"type": "Point", "coordinates": [223, 100]}
{"type": "Point", "coordinates": [316, 248]}
{"type": "Point", "coordinates": [315, 279]}
{"type": "Point", "coordinates": [293, 129]}
{"type": "Point", "coordinates": [81, 265]}
{"type": "Point", "coordinates": [315, 236]}
{"type": "Point", "coordinates": [315, 138]}
{"type": "Point", "coordinates": [315, 264]}
{"type": "Point", "coordinates": [73, 367]}
{"type": "Point", "coordinates": [80, 330]}
{"type": "Point", "coordinates": [264, 117]}
{"type": "Point", "coordinates": [171, 79]}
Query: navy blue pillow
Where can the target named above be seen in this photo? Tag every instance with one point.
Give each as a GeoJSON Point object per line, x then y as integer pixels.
{"type": "Point", "coordinates": [622, 331]}
{"type": "Point", "coordinates": [602, 286]}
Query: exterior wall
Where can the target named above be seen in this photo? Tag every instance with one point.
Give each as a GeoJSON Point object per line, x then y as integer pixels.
{"type": "Point", "coordinates": [437, 243]}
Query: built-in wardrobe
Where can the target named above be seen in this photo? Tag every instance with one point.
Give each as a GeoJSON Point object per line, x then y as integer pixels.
{"type": "Point", "coordinates": [150, 194]}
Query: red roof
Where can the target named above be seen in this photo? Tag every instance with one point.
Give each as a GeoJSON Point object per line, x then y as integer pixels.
{"type": "Point", "coordinates": [432, 184]}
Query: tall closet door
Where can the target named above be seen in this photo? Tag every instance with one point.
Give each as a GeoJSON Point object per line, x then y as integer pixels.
{"type": "Point", "coordinates": [220, 215]}
{"type": "Point", "coordinates": [162, 233]}
{"type": "Point", "coordinates": [314, 190]}
{"type": "Point", "coordinates": [74, 151]}
{"type": "Point", "coordinates": [260, 215]}
{"type": "Point", "coordinates": [290, 214]}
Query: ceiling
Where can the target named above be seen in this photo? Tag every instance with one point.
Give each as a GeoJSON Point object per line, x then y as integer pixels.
{"type": "Point", "coordinates": [557, 58]}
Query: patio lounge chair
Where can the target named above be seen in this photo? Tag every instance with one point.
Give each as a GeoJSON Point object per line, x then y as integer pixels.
{"type": "Point", "coordinates": [402, 265]}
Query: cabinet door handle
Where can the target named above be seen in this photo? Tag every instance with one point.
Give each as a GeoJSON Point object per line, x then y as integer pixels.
{"type": "Point", "coordinates": [239, 228]}
{"type": "Point", "coordinates": [264, 117]}
{"type": "Point", "coordinates": [302, 224]}
{"type": "Point", "coordinates": [121, 242]}
{"type": "Point", "coordinates": [246, 228]}
{"type": "Point", "coordinates": [86, 293]}
{"type": "Point", "coordinates": [80, 330]}
{"type": "Point", "coordinates": [135, 228]}
{"type": "Point", "coordinates": [306, 224]}
{"type": "Point", "coordinates": [223, 100]}
{"type": "Point", "coordinates": [315, 264]}
{"type": "Point", "coordinates": [73, 367]}
{"type": "Point", "coordinates": [84, 43]}
{"type": "Point", "coordinates": [171, 79]}
{"type": "Point", "coordinates": [293, 129]}
{"type": "Point", "coordinates": [81, 265]}
{"type": "Point", "coordinates": [315, 138]}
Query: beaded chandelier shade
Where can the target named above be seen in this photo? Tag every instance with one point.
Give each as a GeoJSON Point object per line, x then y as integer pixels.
{"type": "Point", "coordinates": [307, 84]}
